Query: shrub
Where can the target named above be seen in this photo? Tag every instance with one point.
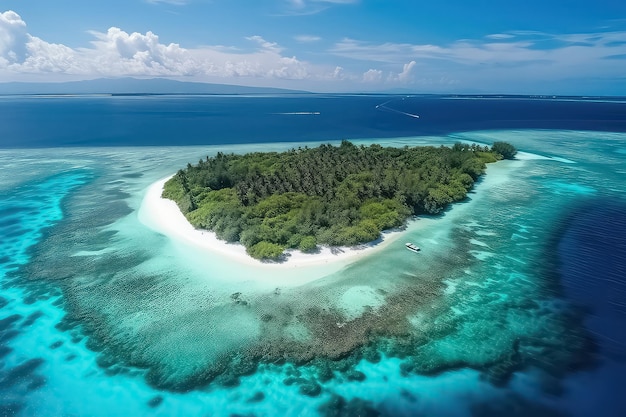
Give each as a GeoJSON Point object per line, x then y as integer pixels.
{"type": "Point", "coordinates": [308, 244]}
{"type": "Point", "coordinates": [505, 149]}
{"type": "Point", "coordinates": [265, 251]}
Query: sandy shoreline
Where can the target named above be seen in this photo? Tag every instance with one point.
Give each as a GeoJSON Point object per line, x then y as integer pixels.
{"type": "Point", "coordinates": [164, 216]}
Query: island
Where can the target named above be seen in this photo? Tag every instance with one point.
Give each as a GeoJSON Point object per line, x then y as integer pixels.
{"type": "Point", "coordinates": [329, 195]}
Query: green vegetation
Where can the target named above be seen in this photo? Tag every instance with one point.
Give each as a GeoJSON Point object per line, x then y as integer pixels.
{"type": "Point", "coordinates": [505, 149]}
{"type": "Point", "coordinates": [337, 196]}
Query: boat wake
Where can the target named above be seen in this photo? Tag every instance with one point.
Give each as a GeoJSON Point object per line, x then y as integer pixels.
{"type": "Point", "coordinates": [300, 113]}
{"type": "Point", "coordinates": [384, 107]}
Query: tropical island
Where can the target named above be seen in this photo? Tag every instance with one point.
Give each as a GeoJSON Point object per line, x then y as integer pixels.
{"type": "Point", "coordinates": [329, 195]}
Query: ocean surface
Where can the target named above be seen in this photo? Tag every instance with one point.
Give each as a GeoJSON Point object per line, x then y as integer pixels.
{"type": "Point", "coordinates": [516, 305]}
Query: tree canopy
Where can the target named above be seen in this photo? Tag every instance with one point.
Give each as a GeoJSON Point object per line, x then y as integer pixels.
{"type": "Point", "coordinates": [330, 195]}
{"type": "Point", "coordinates": [505, 149]}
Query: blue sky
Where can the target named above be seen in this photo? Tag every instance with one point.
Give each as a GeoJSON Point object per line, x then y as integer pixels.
{"type": "Point", "coordinates": [482, 46]}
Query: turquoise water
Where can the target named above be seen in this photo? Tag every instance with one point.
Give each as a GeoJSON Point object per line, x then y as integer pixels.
{"type": "Point", "coordinates": [103, 316]}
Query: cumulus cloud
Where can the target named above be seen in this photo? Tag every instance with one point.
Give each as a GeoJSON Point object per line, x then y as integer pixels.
{"type": "Point", "coordinates": [339, 73]}
{"type": "Point", "coordinates": [50, 58]}
{"type": "Point", "coordinates": [21, 52]}
{"type": "Point", "coordinates": [372, 76]}
{"type": "Point", "coordinates": [405, 75]}
{"type": "Point", "coordinates": [493, 61]}
{"type": "Point", "coordinates": [13, 37]}
{"type": "Point", "coordinates": [120, 53]}
{"type": "Point", "coordinates": [113, 53]}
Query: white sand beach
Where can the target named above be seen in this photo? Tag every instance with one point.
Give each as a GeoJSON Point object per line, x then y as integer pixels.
{"type": "Point", "coordinates": [164, 216]}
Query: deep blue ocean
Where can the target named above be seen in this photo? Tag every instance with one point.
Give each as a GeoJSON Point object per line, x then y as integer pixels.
{"type": "Point", "coordinates": [515, 307]}
{"type": "Point", "coordinates": [203, 120]}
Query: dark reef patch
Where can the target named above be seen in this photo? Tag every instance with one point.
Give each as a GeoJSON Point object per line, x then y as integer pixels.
{"type": "Point", "coordinates": [133, 175]}
{"type": "Point", "coordinates": [310, 389]}
{"type": "Point", "coordinates": [24, 373]}
{"type": "Point", "coordinates": [5, 350]}
{"type": "Point", "coordinates": [8, 322]}
{"type": "Point", "coordinates": [256, 398]}
{"type": "Point", "coordinates": [32, 318]}
{"type": "Point", "coordinates": [408, 396]}
{"type": "Point", "coordinates": [354, 375]}
{"type": "Point", "coordinates": [155, 401]}
{"type": "Point", "coordinates": [337, 406]}
{"type": "Point", "coordinates": [7, 335]}
{"type": "Point", "coordinates": [10, 409]}
{"type": "Point", "coordinates": [56, 344]}
{"type": "Point", "coordinates": [36, 382]}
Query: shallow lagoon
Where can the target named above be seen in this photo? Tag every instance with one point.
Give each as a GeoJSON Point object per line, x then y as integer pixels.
{"type": "Point", "coordinates": [103, 316]}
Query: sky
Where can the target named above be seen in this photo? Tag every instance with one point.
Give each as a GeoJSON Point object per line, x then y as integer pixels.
{"type": "Point", "coordinates": [573, 47]}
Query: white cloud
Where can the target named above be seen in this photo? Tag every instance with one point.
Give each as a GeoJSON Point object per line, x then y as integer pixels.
{"type": "Point", "coordinates": [174, 2]}
{"type": "Point", "coordinates": [339, 73]}
{"type": "Point", "coordinates": [336, 1]}
{"type": "Point", "coordinates": [407, 69]}
{"type": "Point", "coordinates": [307, 38]}
{"type": "Point", "coordinates": [501, 63]}
{"type": "Point", "coordinates": [268, 46]}
{"type": "Point", "coordinates": [13, 37]}
{"type": "Point", "coordinates": [575, 54]}
{"type": "Point", "coordinates": [499, 36]}
{"type": "Point", "coordinates": [493, 62]}
{"type": "Point", "coordinates": [50, 58]}
{"type": "Point", "coordinates": [372, 76]}
{"type": "Point", "coordinates": [386, 52]}
{"type": "Point", "coordinates": [119, 53]}
{"type": "Point", "coordinates": [304, 7]}
{"type": "Point", "coordinates": [304, 3]}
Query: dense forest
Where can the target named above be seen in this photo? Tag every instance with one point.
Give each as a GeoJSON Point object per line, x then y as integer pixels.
{"type": "Point", "coordinates": [330, 195]}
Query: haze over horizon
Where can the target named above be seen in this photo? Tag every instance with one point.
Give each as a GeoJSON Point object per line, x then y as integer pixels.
{"type": "Point", "coordinates": [538, 47]}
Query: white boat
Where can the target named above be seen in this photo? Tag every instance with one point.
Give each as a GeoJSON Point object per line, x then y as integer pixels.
{"type": "Point", "coordinates": [412, 247]}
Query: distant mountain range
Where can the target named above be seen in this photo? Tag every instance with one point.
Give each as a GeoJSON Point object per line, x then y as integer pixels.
{"type": "Point", "coordinates": [135, 86]}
